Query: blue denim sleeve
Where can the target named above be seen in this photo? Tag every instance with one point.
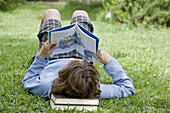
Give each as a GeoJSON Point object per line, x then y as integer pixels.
{"type": "Point", "coordinates": [34, 81]}
{"type": "Point", "coordinates": [122, 85]}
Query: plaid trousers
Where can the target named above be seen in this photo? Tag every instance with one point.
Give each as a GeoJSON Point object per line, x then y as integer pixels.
{"type": "Point", "coordinates": [51, 24]}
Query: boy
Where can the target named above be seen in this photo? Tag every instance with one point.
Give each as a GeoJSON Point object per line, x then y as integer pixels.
{"type": "Point", "coordinates": [71, 74]}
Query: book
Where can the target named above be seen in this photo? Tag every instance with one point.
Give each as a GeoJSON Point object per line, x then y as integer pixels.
{"type": "Point", "coordinates": [68, 106]}
{"type": "Point", "coordinates": [74, 37]}
{"type": "Point", "coordinates": [63, 102]}
{"type": "Point", "coordinates": [60, 99]}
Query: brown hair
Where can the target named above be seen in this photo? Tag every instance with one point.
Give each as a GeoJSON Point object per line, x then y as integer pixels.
{"type": "Point", "coordinates": [78, 79]}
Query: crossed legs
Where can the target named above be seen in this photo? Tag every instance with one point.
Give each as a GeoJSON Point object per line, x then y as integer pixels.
{"type": "Point", "coordinates": [55, 14]}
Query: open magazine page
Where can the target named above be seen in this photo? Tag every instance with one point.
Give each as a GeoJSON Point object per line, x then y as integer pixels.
{"type": "Point", "coordinates": [85, 45]}
{"type": "Point", "coordinates": [65, 38]}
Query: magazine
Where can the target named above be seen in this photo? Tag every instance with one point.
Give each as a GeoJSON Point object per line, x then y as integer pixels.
{"type": "Point", "coordinates": [75, 37]}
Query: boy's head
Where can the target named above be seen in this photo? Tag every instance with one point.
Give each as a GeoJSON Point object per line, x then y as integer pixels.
{"type": "Point", "coordinates": [78, 79]}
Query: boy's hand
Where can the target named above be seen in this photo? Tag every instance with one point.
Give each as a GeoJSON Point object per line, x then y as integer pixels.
{"type": "Point", "coordinates": [102, 57]}
{"type": "Point", "coordinates": [47, 49]}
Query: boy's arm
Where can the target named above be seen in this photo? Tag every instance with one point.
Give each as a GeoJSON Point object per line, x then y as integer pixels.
{"type": "Point", "coordinates": [34, 80]}
{"type": "Point", "coordinates": [123, 87]}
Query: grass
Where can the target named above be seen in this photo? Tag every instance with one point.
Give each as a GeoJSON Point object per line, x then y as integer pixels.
{"type": "Point", "coordinates": [143, 53]}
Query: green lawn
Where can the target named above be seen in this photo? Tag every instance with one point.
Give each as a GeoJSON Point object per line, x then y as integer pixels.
{"type": "Point", "coordinates": [143, 53]}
